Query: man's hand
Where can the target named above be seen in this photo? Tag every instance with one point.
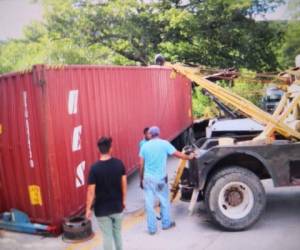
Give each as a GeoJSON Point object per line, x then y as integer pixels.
{"type": "Point", "coordinates": [124, 190]}
{"type": "Point", "coordinates": [89, 200]}
{"type": "Point", "coordinates": [192, 156]}
{"type": "Point", "coordinates": [184, 156]}
{"type": "Point", "coordinates": [142, 162]}
{"type": "Point", "coordinates": [88, 214]}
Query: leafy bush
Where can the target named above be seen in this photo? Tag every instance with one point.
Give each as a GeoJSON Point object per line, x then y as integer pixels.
{"type": "Point", "coordinates": [245, 86]}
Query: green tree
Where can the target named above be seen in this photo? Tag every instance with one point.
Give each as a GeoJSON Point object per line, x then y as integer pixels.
{"type": "Point", "coordinates": [218, 33]}
{"type": "Point", "coordinates": [291, 46]}
{"type": "Point", "coordinates": [202, 105]}
{"type": "Point", "coordinates": [250, 90]}
{"type": "Point", "coordinates": [127, 27]}
{"type": "Point", "coordinates": [18, 55]}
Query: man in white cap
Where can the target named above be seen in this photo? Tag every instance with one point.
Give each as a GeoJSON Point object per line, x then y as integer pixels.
{"type": "Point", "coordinates": [153, 157]}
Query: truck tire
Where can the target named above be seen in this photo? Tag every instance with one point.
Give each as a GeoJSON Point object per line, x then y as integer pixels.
{"type": "Point", "coordinates": [235, 198]}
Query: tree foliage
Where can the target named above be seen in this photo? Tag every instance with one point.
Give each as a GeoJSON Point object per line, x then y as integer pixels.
{"type": "Point", "coordinates": [38, 48]}
{"type": "Point", "coordinates": [218, 33]}
{"type": "Point", "coordinates": [291, 46]}
{"type": "Point", "coordinates": [246, 86]}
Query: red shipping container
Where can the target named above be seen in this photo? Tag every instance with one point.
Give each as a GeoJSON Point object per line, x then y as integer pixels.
{"type": "Point", "coordinates": [51, 118]}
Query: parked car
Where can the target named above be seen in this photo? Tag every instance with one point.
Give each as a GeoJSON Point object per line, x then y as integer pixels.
{"type": "Point", "coordinates": [271, 99]}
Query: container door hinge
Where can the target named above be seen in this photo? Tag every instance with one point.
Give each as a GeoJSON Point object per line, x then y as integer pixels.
{"type": "Point", "coordinates": [38, 72]}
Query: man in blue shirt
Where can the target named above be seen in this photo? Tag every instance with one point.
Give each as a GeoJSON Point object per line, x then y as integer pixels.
{"type": "Point", "coordinates": [146, 138]}
{"type": "Point", "coordinates": [153, 161]}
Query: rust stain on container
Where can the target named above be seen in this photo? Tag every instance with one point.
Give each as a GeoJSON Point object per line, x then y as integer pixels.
{"type": "Point", "coordinates": [54, 116]}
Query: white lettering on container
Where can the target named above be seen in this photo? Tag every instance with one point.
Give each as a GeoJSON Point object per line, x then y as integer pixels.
{"type": "Point", "coordinates": [27, 128]}
{"type": "Point", "coordinates": [73, 102]}
{"type": "Point", "coordinates": [76, 140]}
{"type": "Point", "coordinates": [80, 174]}
{"type": "Point", "coordinates": [76, 143]}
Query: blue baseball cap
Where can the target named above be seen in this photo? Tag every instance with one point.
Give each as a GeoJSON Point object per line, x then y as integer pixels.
{"type": "Point", "coordinates": [154, 131]}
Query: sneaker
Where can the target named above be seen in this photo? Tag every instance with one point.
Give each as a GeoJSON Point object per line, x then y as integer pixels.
{"type": "Point", "coordinates": [152, 233]}
{"type": "Point", "coordinates": [172, 224]}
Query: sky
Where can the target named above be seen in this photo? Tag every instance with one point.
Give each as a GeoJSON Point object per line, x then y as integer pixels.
{"type": "Point", "coordinates": [15, 14]}
{"type": "Point", "coordinates": [280, 13]}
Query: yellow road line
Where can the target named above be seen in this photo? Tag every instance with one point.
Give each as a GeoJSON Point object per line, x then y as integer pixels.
{"type": "Point", "coordinates": [133, 220]}
{"type": "Point", "coordinates": [95, 242]}
{"type": "Point", "coordinates": [72, 246]}
{"type": "Point", "coordinates": [128, 223]}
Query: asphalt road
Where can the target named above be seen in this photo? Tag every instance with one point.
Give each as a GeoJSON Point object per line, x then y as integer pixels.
{"type": "Point", "coordinates": [278, 228]}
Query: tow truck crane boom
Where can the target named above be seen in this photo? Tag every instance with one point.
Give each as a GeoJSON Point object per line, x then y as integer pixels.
{"type": "Point", "coordinates": [240, 103]}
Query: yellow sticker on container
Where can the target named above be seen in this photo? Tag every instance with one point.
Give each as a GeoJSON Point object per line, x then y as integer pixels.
{"type": "Point", "coordinates": [0, 129]}
{"type": "Point", "coordinates": [173, 74]}
{"type": "Point", "coordinates": [35, 195]}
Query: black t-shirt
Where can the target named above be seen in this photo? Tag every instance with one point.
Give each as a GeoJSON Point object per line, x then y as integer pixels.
{"type": "Point", "coordinates": [107, 175]}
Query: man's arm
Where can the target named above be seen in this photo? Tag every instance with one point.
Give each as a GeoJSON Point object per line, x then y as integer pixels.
{"type": "Point", "coordinates": [183, 156]}
{"type": "Point", "coordinates": [142, 162]}
{"type": "Point", "coordinates": [89, 200]}
{"type": "Point", "coordinates": [124, 190]}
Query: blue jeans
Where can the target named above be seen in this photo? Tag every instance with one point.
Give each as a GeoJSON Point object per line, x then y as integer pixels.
{"type": "Point", "coordinates": [111, 231]}
{"type": "Point", "coordinates": [157, 189]}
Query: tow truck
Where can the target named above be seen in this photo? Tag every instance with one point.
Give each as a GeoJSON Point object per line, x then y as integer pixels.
{"type": "Point", "coordinates": [227, 172]}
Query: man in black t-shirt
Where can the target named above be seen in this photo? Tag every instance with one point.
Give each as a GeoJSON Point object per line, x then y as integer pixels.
{"type": "Point", "coordinates": [107, 183]}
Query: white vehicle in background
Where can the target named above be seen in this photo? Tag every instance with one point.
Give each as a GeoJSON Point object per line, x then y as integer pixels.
{"type": "Point", "coordinates": [297, 61]}
{"type": "Point", "coordinates": [233, 127]}
{"type": "Point", "coordinates": [271, 99]}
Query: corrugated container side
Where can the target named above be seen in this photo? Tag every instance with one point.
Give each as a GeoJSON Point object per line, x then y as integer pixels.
{"type": "Point", "coordinates": [69, 109]}
{"type": "Point", "coordinates": [22, 168]}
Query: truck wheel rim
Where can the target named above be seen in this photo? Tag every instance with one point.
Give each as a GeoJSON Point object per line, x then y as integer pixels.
{"type": "Point", "coordinates": [236, 200]}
